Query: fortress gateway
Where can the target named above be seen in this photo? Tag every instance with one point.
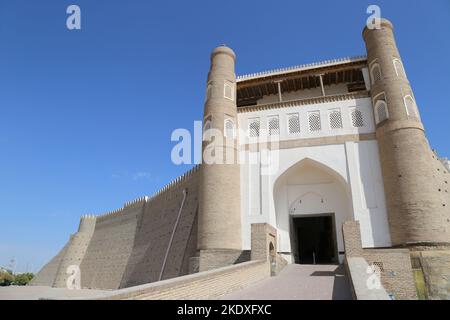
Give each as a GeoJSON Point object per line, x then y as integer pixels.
{"type": "Point", "coordinates": [354, 177]}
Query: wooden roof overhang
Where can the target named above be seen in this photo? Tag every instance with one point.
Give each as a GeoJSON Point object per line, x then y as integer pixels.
{"type": "Point", "coordinates": [249, 91]}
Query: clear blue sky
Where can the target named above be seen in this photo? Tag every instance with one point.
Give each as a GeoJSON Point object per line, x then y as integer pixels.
{"type": "Point", "coordinates": [86, 116]}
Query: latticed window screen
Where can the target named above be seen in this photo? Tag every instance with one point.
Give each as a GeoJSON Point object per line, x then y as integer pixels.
{"type": "Point", "coordinates": [293, 123]}
{"type": "Point", "coordinates": [379, 265]}
{"type": "Point", "coordinates": [357, 118]}
{"type": "Point", "coordinates": [229, 128]}
{"type": "Point", "coordinates": [376, 73]}
{"type": "Point", "coordinates": [381, 111]}
{"type": "Point", "coordinates": [410, 107]}
{"type": "Point", "coordinates": [335, 119]}
{"type": "Point", "coordinates": [253, 128]}
{"type": "Point", "coordinates": [314, 121]}
{"type": "Point", "coordinates": [274, 126]}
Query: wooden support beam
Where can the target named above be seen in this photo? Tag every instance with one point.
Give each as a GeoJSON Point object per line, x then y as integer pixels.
{"type": "Point", "coordinates": [278, 84]}
{"type": "Point", "coordinates": [321, 84]}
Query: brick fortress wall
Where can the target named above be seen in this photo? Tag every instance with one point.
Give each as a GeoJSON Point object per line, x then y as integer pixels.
{"type": "Point", "coordinates": [147, 240]}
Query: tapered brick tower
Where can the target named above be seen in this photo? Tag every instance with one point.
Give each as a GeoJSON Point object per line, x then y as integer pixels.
{"type": "Point", "coordinates": [219, 223]}
{"type": "Point", "coordinates": [415, 181]}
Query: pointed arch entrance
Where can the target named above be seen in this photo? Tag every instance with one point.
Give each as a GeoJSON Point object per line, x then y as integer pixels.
{"type": "Point", "coordinates": [311, 203]}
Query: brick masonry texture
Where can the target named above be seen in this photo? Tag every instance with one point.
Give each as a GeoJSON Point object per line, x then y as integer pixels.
{"type": "Point", "coordinates": [205, 285]}
{"type": "Point", "coordinates": [76, 249]}
{"type": "Point", "coordinates": [54, 273]}
{"type": "Point", "coordinates": [398, 264]}
{"type": "Point", "coordinates": [396, 275]}
{"type": "Point", "coordinates": [219, 224]}
{"type": "Point", "coordinates": [414, 179]}
{"type": "Point", "coordinates": [110, 248]}
{"type": "Point", "coordinates": [216, 282]}
{"type": "Point", "coordinates": [153, 235]}
{"type": "Point", "coordinates": [263, 236]}
{"type": "Point", "coordinates": [47, 275]}
{"type": "Point", "coordinates": [217, 258]}
{"type": "Point", "coordinates": [396, 270]}
{"type": "Point", "coordinates": [264, 244]}
{"type": "Point", "coordinates": [127, 247]}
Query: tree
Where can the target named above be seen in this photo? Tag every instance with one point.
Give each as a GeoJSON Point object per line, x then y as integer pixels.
{"type": "Point", "coordinates": [6, 278]}
{"type": "Point", "coordinates": [22, 279]}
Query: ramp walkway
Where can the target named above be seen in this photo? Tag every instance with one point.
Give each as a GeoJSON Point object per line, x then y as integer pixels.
{"type": "Point", "coordinates": [300, 282]}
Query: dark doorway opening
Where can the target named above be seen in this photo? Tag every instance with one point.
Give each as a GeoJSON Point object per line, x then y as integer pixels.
{"type": "Point", "coordinates": [315, 240]}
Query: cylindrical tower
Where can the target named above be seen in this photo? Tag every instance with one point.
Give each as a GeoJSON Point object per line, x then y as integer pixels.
{"type": "Point", "coordinates": [75, 251]}
{"type": "Point", "coordinates": [219, 220]}
{"type": "Point", "coordinates": [417, 204]}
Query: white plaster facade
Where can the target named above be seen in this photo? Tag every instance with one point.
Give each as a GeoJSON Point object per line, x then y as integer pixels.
{"type": "Point", "coordinates": [341, 178]}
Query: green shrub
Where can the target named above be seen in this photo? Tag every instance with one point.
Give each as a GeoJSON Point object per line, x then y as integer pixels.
{"type": "Point", "coordinates": [6, 278]}
{"type": "Point", "coordinates": [22, 279]}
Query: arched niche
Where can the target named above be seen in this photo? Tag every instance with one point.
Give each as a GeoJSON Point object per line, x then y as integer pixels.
{"type": "Point", "coordinates": [310, 188]}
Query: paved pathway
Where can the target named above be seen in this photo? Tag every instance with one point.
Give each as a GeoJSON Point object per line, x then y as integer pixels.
{"type": "Point", "coordinates": [37, 292]}
{"type": "Point", "coordinates": [295, 282]}
{"type": "Point", "coordinates": [300, 282]}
